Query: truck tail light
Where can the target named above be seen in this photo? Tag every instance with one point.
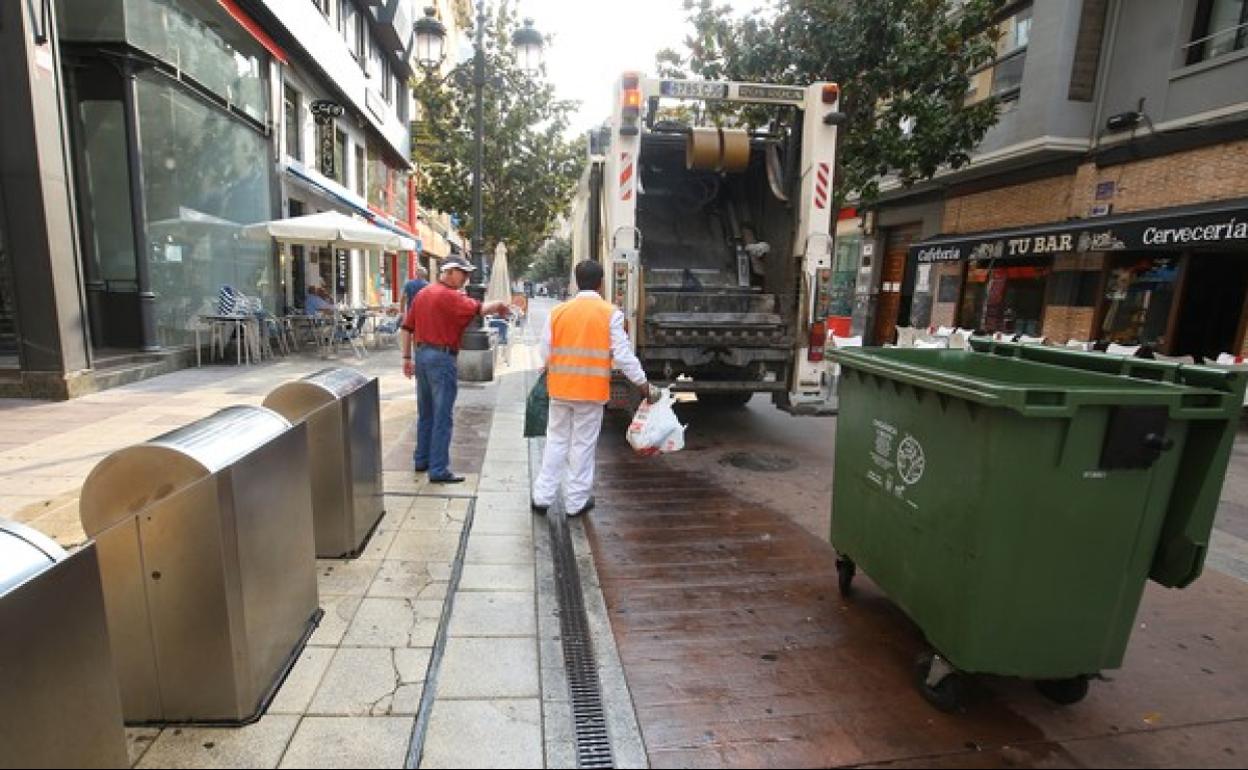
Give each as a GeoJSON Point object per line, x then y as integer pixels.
{"type": "Point", "coordinates": [818, 338]}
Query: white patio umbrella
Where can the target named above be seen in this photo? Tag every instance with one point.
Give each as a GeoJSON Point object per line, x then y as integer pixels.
{"type": "Point", "coordinates": [499, 289]}
{"type": "Point", "coordinates": [329, 228]}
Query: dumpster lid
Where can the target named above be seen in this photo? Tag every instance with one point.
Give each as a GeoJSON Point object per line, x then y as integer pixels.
{"type": "Point", "coordinates": [130, 479]}
{"type": "Point", "coordinates": [24, 553]}
{"type": "Point", "coordinates": [296, 399]}
{"type": "Point", "coordinates": [1042, 381]}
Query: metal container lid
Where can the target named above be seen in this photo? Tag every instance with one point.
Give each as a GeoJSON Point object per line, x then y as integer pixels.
{"type": "Point", "coordinates": [296, 400]}
{"type": "Point", "coordinates": [24, 553]}
{"type": "Point", "coordinates": [131, 479]}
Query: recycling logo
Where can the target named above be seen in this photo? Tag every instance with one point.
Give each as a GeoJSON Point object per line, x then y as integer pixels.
{"type": "Point", "coordinates": [911, 461]}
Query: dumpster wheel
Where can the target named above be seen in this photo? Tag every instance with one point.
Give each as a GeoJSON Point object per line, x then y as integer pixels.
{"type": "Point", "coordinates": [940, 684]}
{"type": "Point", "coordinates": [845, 571]}
{"type": "Point", "coordinates": [1064, 691]}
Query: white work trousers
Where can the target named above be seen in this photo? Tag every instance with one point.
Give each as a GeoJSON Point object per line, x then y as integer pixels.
{"type": "Point", "coordinates": [571, 440]}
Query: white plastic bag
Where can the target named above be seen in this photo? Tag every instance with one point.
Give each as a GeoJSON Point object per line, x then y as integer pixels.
{"type": "Point", "coordinates": [655, 428]}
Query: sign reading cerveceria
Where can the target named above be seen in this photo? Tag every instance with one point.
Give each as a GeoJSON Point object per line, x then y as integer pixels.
{"type": "Point", "coordinates": [1220, 229]}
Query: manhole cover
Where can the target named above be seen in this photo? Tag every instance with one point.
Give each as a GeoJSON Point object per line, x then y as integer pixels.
{"type": "Point", "coordinates": [763, 462]}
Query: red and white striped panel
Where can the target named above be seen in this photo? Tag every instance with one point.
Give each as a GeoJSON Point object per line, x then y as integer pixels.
{"type": "Point", "coordinates": [822, 177]}
{"type": "Point", "coordinates": [626, 176]}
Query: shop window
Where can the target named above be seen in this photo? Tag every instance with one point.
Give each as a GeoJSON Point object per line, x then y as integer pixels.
{"type": "Point", "coordinates": [1007, 299]}
{"type": "Point", "coordinates": [1003, 78]}
{"type": "Point", "coordinates": [292, 105]}
{"type": "Point", "coordinates": [1219, 27]}
{"type": "Point", "coordinates": [844, 274]}
{"type": "Point", "coordinates": [204, 44]}
{"type": "Point", "coordinates": [1138, 295]}
{"type": "Point", "coordinates": [197, 204]}
{"type": "Point", "coordinates": [1073, 288]}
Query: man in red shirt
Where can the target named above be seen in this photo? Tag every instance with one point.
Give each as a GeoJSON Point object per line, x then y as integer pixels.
{"type": "Point", "coordinates": [436, 321]}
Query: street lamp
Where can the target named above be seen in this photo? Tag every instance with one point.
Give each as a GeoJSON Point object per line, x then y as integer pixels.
{"type": "Point", "coordinates": [430, 42]}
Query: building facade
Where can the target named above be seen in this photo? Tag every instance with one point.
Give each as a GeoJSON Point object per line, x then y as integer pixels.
{"type": "Point", "coordinates": [143, 135]}
{"type": "Point", "coordinates": [1108, 203]}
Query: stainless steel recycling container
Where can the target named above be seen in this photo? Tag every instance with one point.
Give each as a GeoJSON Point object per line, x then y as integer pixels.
{"type": "Point", "coordinates": [208, 564]}
{"type": "Point", "coordinates": [60, 706]}
{"type": "Point", "coordinates": [342, 410]}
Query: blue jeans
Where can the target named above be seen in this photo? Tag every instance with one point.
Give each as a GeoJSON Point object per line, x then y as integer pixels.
{"type": "Point", "coordinates": [437, 383]}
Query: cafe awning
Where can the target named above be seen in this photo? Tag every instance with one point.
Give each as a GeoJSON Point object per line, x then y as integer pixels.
{"type": "Point", "coordinates": [1219, 226]}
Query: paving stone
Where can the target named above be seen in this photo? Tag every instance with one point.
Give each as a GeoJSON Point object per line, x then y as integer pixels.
{"type": "Point", "coordinates": [411, 580]}
{"type": "Point", "coordinates": [256, 745]}
{"type": "Point", "coordinates": [496, 577]}
{"type": "Point", "coordinates": [499, 549]}
{"type": "Point", "coordinates": [378, 544]}
{"type": "Point", "coordinates": [339, 611]}
{"type": "Point", "coordinates": [347, 742]}
{"type": "Point", "coordinates": [425, 546]}
{"type": "Point", "coordinates": [394, 623]}
{"type": "Point", "coordinates": [345, 577]}
{"type": "Point", "coordinates": [296, 692]}
{"type": "Point", "coordinates": [493, 521]}
{"type": "Point", "coordinates": [475, 667]}
{"type": "Point", "coordinates": [494, 613]}
{"type": "Point", "coordinates": [484, 734]}
{"type": "Point", "coordinates": [359, 682]}
{"type": "Point", "coordinates": [412, 663]}
{"type": "Point", "coordinates": [138, 741]}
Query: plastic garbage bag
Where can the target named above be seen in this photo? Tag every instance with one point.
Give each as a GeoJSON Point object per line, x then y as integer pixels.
{"type": "Point", "coordinates": [654, 427]}
{"type": "Point", "coordinates": [537, 409]}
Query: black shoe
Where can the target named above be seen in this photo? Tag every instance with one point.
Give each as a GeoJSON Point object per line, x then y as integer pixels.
{"type": "Point", "coordinates": [420, 468]}
{"type": "Point", "coordinates": [452, 479]}
{"type": "Point", "coordinates": [540, 510]}
{"type": "Point", "coordinates": [586, 508]}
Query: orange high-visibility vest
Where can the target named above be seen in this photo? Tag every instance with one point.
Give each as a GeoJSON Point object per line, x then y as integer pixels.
{"type": "Point", "coordinates": [579, 368]}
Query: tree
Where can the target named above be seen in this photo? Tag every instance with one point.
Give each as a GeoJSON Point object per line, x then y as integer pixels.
{"type": "Point", "coordinates": [530, 167]}
{"type": "Point", "coordinates": [552, 262]}
{"type": "Point", "coordinates": [904, 69]}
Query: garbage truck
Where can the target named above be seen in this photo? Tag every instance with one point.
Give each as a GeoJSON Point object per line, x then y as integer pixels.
{"type": "Point", "coordinates": [710, 206]}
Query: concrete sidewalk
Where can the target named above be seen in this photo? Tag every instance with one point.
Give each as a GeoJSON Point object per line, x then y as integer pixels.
{"type": "Point", "coordinates": [431, 649]}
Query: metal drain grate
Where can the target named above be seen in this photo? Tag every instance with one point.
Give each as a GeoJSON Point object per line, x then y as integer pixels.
{"type": "Point", "coordinates": [589, 719]}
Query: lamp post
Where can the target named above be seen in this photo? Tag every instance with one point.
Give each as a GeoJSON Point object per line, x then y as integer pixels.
{"type": "Point", "coordinates": [430, 40]}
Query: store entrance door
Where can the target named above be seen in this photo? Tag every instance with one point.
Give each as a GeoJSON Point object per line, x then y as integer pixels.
{"type": "Point", "coordinates": [1211, 319]}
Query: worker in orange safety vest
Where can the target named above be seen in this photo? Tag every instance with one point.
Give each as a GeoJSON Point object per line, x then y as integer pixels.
{"type": "Point", "coordinates": [583, 337]}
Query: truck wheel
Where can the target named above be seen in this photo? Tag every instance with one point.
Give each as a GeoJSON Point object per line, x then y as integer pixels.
{"type": "Point", "coordinates": [845, 570]}
{"type": "Point", "coordinates": [949, 693]}
{"type": "Point", "coordinates": [1064, 691]}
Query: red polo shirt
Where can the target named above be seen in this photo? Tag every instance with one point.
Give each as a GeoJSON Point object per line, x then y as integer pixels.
{"type": "Point", "coordinates": [439, 315]}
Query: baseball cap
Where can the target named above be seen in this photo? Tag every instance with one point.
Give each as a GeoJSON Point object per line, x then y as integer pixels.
{"type": "Point", "coordinates": [457, 262]}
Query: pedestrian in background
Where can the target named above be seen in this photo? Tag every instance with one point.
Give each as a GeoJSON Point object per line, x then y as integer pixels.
{"type": "Point", "coordinates": [435, 322]}
{"type": "Point", "coordinates": [583, 337]}
{"type": "Point", "coordinates": [413, 287]}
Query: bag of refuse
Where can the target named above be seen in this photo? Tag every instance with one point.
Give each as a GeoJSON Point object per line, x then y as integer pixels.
{"type": "Point", "coordinates": [655, 428]}
{"type": "Point", "coordinates": [537, 409]}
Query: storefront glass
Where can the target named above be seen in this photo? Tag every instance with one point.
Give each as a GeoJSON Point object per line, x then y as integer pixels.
{"type": "Point", "coordinates": [206, 176]}
{"type": "Point", "coordinates": [845, 273]}
{"type": "Point", "coordinates": [1139, 292]}
{"type": "Point", "coordinates": [195, 36]}
{"type": "Point", "coordinates": [1007, 299]}
{"type": "Point", "coordinates": [214, 50]}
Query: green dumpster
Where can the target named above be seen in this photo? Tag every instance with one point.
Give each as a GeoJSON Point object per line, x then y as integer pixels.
{"type": "Point", "coordinates": [1014, 499]}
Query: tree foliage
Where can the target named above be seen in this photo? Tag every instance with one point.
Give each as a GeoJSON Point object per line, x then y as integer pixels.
{"type": "Point", "coordinates": [553, 261]}
{"type": "Point", "coordinates": [530, 168]}
{"type": "Point", "coordinates": [903, 67]}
